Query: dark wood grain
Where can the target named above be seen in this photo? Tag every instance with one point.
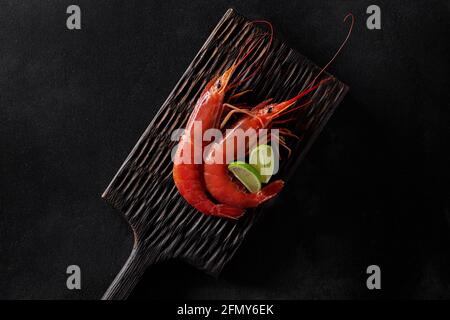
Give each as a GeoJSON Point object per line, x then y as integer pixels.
{"type": "Point", "coordinates": [164, 225]}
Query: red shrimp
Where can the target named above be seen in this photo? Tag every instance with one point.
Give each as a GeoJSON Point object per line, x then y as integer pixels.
{"type": "Point", "coordinates": [207, 113]}
{"type": "Point", "coordinates": [187, 174]}
{"type": "Point", "coordinates": [219, 182]}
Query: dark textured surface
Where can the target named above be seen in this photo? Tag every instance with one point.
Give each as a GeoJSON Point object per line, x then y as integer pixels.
{"type": "Point", "coordinates": [165, 226]}
{"type": "Point", "coordinates": [373, 189]}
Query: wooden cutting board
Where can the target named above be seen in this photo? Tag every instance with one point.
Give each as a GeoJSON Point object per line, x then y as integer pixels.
{"type": "Point", "coordinates": [164, 225]}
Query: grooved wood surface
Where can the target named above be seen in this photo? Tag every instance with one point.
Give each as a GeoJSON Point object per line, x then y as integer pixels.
{"type": "Point", "coordinates": [165, 226]}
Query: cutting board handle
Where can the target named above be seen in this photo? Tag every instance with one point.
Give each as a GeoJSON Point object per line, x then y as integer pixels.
{"type": "Point", "coordinates": [128, 277]}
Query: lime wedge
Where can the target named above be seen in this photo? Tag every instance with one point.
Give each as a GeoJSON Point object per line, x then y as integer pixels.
{"type": "Point", "coordinates": [262, 158]}
{"type": "Point", "coordinates": [247, 175]}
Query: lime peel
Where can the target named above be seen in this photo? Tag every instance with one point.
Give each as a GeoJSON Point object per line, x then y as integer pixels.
{"type": "Point", "coordinates": [247, 175]}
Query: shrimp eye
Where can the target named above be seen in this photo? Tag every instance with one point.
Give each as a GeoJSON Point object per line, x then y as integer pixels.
{"type": "Point", "coordinates": [219, 84]}
{"type": "Point", "coordinates": [269, 110]}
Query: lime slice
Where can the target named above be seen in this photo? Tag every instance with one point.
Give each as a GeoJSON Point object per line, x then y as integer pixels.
{"type": "Point", "coordinates": [262, 158]}
{"type": "Point", "coordinates": [246, 174]}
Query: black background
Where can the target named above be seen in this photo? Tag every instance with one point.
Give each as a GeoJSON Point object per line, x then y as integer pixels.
{"type": "Point", "coordinates": [373, 189]}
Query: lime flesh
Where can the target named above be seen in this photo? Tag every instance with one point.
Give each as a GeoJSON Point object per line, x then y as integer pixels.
{"type": "Point", "coordinates": [262, 158]}
{"type": "Point", "coordinates": [247, 175]}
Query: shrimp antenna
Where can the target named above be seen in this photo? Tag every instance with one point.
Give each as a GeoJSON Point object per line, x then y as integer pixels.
{"type": "Point", "coordinates": [266, 50]}
{"type": "Point", "coordinates": [340, 48]}
{"type": "Point", "coordinates": [314, 86]}
{"type": "Point", "coordinates": [302, 93]}
{"type": "Point", "coordinates": [260, 60]}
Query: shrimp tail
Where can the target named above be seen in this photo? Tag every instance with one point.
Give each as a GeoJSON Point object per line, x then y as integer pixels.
{"type": "Point", "coordinates": [226, 211]}
{"type": "Point", "coordinates": [270, 191]}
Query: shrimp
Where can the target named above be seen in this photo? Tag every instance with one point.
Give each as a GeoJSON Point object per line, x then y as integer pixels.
{"type": "Point", "coordinates": [207, 113]}
{"type": "Point", "coordinates": [218, 181]}
{"type": "Point", "coordinates": [187, 175]}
